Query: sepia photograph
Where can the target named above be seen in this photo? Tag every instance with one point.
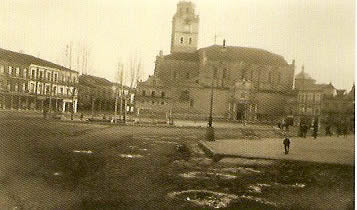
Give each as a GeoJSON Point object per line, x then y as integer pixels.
{"type": "Point", "coordinates": [177, 104]}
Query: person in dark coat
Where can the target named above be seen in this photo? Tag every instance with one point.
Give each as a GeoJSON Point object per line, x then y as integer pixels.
{"type": "Point", "coordinates": [286, 143]}
{"type": "Point", "coordinates": [304, 129]}
{"type": "Point", "coordinates": [315, 129]}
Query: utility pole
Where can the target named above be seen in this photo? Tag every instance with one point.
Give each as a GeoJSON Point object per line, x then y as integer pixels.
{"type": "Point", "coordinates": [211, 103]}
{"type": "Point", "coordinates": [210, 130]}
{"type": "Point", "coordinates": [116, 92]}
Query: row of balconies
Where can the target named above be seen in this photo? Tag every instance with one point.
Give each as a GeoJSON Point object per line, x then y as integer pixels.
{"type": "Point", "coordinates": [41, 93]}
{"type": "Point", "coordinates": [42, 79]}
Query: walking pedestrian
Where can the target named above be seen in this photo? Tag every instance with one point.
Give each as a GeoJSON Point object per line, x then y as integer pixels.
{"type": "Point", "coordinates": [315, 128]}
{"type": "Point", "coordinates": [286, 143]}
{"type": "Point", "coordinates": [305, 128]}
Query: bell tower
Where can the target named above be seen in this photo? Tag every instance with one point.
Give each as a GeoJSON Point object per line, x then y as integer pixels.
{"type": "Point", "coordinates": [184, 37]}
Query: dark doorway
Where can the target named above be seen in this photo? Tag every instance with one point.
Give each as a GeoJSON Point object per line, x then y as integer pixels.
{"type": "Point", "coordinates": [240, 112]}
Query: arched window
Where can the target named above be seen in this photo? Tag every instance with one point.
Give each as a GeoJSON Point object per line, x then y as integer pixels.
{"type": "Point", "coordinates": [181, 40]}
{"type": "Point", "coordinates": [190, 41]}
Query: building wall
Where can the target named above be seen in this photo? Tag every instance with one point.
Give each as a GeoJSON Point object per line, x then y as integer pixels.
{"type": "Point", "coordinates": [271, 105]}
{"type": "Point", "coordinates": [263, 77]}
{"type": "Point", "coordinates": [101, 98]}
{"type": "Point", "coordinates": [270, 83]}
{"type": "Point", "coordinates": [37, 87]}
{"type": "Point", "coordinates": [201, 101]}
{"type": "Point", "coordinates": [175, 71]}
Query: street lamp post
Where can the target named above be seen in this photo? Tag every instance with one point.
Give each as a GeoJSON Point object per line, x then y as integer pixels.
{"type": "Point", "coordinates": [116, 91]}
{"type": "Point", "coordinates": [210, 130]}
{"type": "Point", "coordinates": [210, 119]}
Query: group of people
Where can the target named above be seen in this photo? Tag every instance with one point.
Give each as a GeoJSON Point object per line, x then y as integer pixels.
{"type": "Point", "coordinates": [304, 129]}
{"type": "Point", "coordinates": [341, 129]}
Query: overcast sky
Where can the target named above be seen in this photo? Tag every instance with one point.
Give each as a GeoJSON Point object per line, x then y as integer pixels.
{"type": "Point", "coordinates": [317, 33]}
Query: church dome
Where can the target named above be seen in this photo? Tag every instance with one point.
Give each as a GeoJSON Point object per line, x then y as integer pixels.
{"type": "Point", "coordinates": [303, 75]}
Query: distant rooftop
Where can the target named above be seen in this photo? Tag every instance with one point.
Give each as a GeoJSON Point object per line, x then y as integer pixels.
{"type": "Point", "coordinates": [303, 75]}
{"type": "Point", "coordinates": [25, 59]}
{"type": "Point", "coordinates": [231, 53]}
{"type": "Point", "coordinates": [94, 81]}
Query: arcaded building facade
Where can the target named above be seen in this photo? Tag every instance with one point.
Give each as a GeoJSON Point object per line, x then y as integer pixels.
{"type": "Point", "coordinates": [248, 83]}
{"type": "Point", "coordinates": [30, 83]}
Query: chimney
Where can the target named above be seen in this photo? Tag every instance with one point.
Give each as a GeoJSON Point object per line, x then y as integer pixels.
{"type": "Point", "coordinates": [161, 53]}
{"type": "Point", "coordinates": [224, 43]}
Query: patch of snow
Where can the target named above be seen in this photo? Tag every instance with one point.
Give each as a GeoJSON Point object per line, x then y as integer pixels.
{"type": "Point", "coordinates": [208, 175]}
{"type": "Point", "coordinates": [258, 200]}
{"type": "Point", "coordinates": [205, 198]}
{"type": "Point", "coordinates": [296, 185]}
{"type": "Point", "coordinates": [83, 151]}
{"type": "Point", "coordinates": [130, 156]}
{"type": "Point", "coordinates": [255, 189]}
{"type": "Point", "coordinates": [240, 170]}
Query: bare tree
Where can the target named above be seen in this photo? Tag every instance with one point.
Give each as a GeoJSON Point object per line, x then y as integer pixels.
{"type": "Point", "coordinates": [118, 88]}
{"type": "Point", "coordinates": [134, 75]}
{"type": "Point", "coordinates": [135, 66]}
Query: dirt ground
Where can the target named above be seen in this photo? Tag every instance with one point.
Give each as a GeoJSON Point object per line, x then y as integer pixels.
{"type": "Point", "coordinates": [47, 164]}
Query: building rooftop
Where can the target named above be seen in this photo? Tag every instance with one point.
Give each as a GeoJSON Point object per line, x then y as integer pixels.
{"type": "Point", "coordinates": [25, 59]}
{"type": "Point", "coordinates": [93, 81]}
{"type": "Point", "coordinates": [182, 56]}
{"type": "Point", "coordinates": [231, 53]}
{"type": "Point", "coordinates": [245, 54]}
{"type": "Point", "coordinates": [303, 75]}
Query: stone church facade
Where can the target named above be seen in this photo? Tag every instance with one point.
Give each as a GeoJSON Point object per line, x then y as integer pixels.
{"type": "Point", "coordinates": [247, 83]}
